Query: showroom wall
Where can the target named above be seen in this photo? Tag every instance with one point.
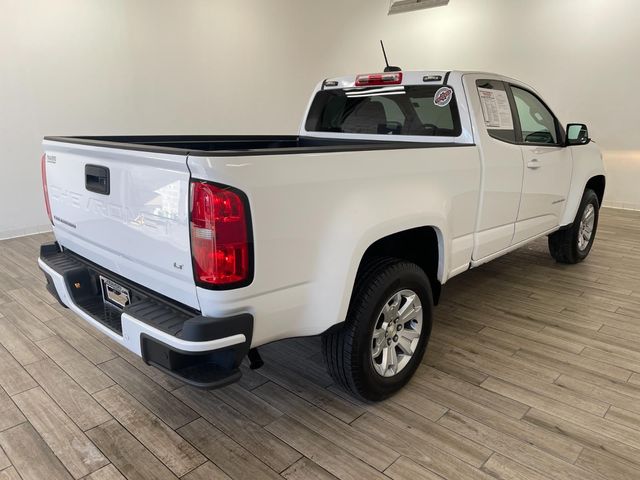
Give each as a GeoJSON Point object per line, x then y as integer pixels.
{"type": "Point", "coordinates": [213, 66]}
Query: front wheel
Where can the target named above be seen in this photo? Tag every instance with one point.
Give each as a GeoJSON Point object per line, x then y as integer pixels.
{"type": "Point", "coordinates": [383, 340]}
{"type": "Point", "coordinates": [573, 244]}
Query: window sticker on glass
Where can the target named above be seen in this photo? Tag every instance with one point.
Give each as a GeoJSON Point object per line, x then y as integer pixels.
{"type": "Point", "coordinates": [496, 109]}
{"type": "Point", "coordinates": [443, 97]}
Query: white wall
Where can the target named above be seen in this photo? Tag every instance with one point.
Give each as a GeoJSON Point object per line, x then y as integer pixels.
{"type": "Point", "coordinates": [74, 67]}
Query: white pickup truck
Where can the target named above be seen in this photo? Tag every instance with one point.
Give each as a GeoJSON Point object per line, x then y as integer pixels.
{"type": "Point", "coordinates": [192, 251]}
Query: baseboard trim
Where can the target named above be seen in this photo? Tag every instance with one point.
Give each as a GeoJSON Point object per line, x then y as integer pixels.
{"type": "Point", "coordinates": [622, 206]}
{"type": "Point", "coordinates": [23, 232]}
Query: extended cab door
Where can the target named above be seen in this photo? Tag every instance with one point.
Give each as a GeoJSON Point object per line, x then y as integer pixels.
{"type": "Point", "coordinates": [502, 166]}
{"type": "Point", "coordinates": [547, 166]}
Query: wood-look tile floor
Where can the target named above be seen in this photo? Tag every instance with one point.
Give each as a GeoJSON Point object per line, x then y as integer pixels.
{"type": "Point", "coordinates": [533, 372]}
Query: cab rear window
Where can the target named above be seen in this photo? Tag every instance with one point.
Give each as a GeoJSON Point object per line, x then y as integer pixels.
{"type": "Point", "coordinates": [392, 110]}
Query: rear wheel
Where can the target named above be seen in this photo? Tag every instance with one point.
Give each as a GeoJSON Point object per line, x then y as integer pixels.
{"type": "Point", "coordinates": [573, 244]}
{"type": "Point", "coordinates": [385, 335]}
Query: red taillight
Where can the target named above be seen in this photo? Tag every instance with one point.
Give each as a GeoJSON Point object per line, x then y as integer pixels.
{"type": "Point", "coordinates": [220, 241]}
{"type": "Point", "coordinates": [45, 189]}
{"type": "Point", "coordinates": [379, 79]}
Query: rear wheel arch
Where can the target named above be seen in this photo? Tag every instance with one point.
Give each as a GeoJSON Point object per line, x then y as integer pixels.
{"type": "Point", "coordinates": [421, 245]}
{"type": "Point", "coordinates": [369, 355]}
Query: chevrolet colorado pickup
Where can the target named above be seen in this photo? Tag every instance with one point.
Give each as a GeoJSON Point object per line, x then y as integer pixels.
{"type": "Point", "coordinates": [192, 251]}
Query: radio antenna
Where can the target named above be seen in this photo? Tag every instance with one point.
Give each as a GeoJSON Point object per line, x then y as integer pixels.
{"type": "Point", "coordinates": [388, 68]}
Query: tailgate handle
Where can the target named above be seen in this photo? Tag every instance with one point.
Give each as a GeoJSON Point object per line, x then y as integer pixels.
{"type": "Point", "coordinates": [97, 179]}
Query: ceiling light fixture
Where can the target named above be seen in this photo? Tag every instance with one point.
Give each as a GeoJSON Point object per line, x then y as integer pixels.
{"type": "Point", "coordinates": [402, 6]}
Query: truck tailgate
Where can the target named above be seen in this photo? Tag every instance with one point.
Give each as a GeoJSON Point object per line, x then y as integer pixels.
{"type": "Point", "coordinates": [127, 211]}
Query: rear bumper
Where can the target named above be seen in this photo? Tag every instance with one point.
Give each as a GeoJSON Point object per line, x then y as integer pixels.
{"type": "Point", "coordinates": [203, 351]}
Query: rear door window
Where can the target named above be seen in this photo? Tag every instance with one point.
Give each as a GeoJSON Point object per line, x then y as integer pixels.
{"type": "Point", "coordinates": [496, 110]}
{"type": "Point", "coordinates": [392, 110]}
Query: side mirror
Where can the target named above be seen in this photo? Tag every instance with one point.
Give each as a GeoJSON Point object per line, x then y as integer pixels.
{"type": "Point", "coordinates": [577, 134]}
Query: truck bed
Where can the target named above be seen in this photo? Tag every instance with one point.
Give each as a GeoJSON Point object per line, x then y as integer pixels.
{"type": "Point", "coordinates": [241, 145]}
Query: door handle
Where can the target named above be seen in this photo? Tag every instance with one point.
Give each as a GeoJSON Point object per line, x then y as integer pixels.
{"type": "Point", "coordinates": [534, 164]}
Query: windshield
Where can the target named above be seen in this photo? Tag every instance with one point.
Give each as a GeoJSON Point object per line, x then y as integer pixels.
{"type": "Point", "coordinates": [398, 110]}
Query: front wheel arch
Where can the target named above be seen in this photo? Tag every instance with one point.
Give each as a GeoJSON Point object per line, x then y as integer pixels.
{"type": "Point", "coordinates": [597, 184]}
{"type": "Point", "coordinates": [565, 244]}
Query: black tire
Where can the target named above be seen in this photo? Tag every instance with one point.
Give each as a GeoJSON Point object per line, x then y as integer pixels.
{"type": "Point", "coordinates": [563, 244]}
{"type": "Point", "coordinates": [347, 350]}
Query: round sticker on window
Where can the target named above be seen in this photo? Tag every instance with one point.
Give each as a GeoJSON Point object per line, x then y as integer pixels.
{"type": "Point", "coordinates": [443, 97]}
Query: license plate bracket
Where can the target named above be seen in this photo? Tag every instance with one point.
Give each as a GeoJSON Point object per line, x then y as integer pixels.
{"type": "Point", "coordinates": [114, 294]}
